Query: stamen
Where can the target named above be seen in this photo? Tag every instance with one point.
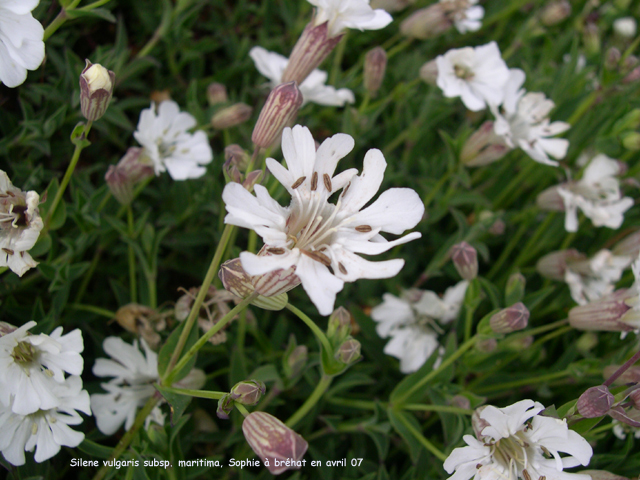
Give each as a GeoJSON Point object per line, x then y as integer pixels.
{"type": "Point", "coordinates": [8, 251]}
{"type": "Point", "coordinates": [342, 269]}
{"type": "Point", "coordinates": [314, 181]}
{"type": "Point", "coordinates": [327, 182]}
{"type": "Point", "coordinates": [298, 182]}
{"type": "Point", "coordinates": [275, 250]}
{"type": "Point", "coordinates": [479, 466]}
{"type": "Point", "coordinates": [526, 475]}
{"type": "Point", "coordinates": [363, 228]}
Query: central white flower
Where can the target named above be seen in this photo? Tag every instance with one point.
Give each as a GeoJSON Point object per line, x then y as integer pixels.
{"type": "Point", "coordinates": [313, 234]}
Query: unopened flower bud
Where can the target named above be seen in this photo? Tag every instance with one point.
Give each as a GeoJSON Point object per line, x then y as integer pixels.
{"type": "Point", "coordinates": [349, 351]}
{"type": "Point", "coordinates": [281, 107]}
{"type": "Point", "coordinates": [483, 147]}
{"type": "Point", "coordinates": [595, 402]}
{"type": "Point", "coordinates": [631, 141]}
{"type": "Point", "coordinates": [339, 326]}
{"type": "Point", "coordinates": [225, 406]}
{"type": "Point", "coordinates": [272, 440]}
{"type": "Point", "coordinates": [216, 93]}
{"type": "Point", "coordinates": [625, 27]}
{"type": "Point", "coordinates": [6, 328]}
{"type": "Point", "coordinates": [612, 58]}
{"type": "Point", "coordinates": [591, 38]}
{"type": "Point", "coordinates": [607, 314]}
{"type": "Point", "coordinates": [375, 65]}
{"type": "Point", "coordinates": [511, 319]}
{"type": "Point", "coordinates": [425, 23]}
{"type": "Point", "coordinates": [555, 12]}
{"type": "Point", "coordinates": [313, 46]}
{"type": "Point", "coordinates": [631, 418]}
{"type": "Point", "coordinates": [460, 401]}
{"type": "Point", "coordinates": [429, 72]}
{"type": "Point", "coordinates": [635, 398]}
{"type": "Point", "coordinates": [632, 76]}
{"type": "Point", "coordinates": [550, 200]}
{"type": "Point", "coordinates": [554, 264]}
{"type": "Point", "coordinates": [514, 290]}
{"type": "Point", "coordinates": [248, 392]}
{"type": "Point", "coordinates": [465, 259]}
{"type": "Point", "coordinates": [96, 89]}
{"type": "Point", "coordinates": [231, 116]}
{"type": "Point", "coordinates": [251, 180]}
{"type": "Point", "coordinates": [136, 319]}
{"type": "Point", "coordinates": [235, 155]}
{"type": "Point", "coordinates": [130, 170]}
{"type": "Point", "coordinates": [296, 360]}
{"type": "Point", "coordinates": [486, 345]}
{"type": "Point", "coordinates": [602, 475]}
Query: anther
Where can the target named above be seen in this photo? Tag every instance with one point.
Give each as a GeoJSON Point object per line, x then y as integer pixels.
{"type": "Point", "coordinates": [526, 475]}
{"type": "Point", "coordinates": [341, 268]}
{"type": "Point", "coordinates": [8, 251]}
{"type": "Point", "coordinates": [298, 182]}
{"type": "Point", "coordinates": [314, 181]}
{"type": "Point", "coordinates": [363, 228]}
{"type": "Point", "coordinates": [275, 250]}
{"type": "Point", "coordinates": [479, 466]}
{"type": "Point", "coordinates": [327, 182]}
{"type": "Point", "coordinates": [318, 257]}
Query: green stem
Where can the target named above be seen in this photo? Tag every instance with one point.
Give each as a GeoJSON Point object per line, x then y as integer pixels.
{"type": "Point", "coordinates": [128, 436]}
{"type": "Point", "coordinates": [515, 184]}
{"type": "Point", "coordinates": [514, 242]}
{"type": "Point", "coordinates": [170, 374]}
{"type": "Point", "coordinates": [361, 404]}
{"type": "Point", "coordinates": [532, 246]}
{"type": "Point", "coordinates": [202, 293]}
{"type": "Point", "coordinates": [421, 438]}
{"type": "Point", "coordinates": [133, 295]}
{"type": "Point", "coordinates": [97, 310]}
{"type": "Point", "coordinates": [438, 408]}
{"type": "Point", "coordinates": [89, 275]}
{"type": "Point", "coordinates": [468, 322]}
{"type": "Point", "coordinates": [67, 177]}
{"type": "Point", "coordinates": [312, 325]}
{"type": "Point", "coordinates": [434, 373]}
{"type": "Point", "coordinates": [196, 393]}
{"type": "Point", "coordinates": [241, 408]}
{"type": "Point", "coordinates": [537, 330]}
{"type": "Point", "coordinates": [524, 382]}
{"type": "Point", "coordinates": [322, 386]}
{"type": "Point", "coordinates": [93, 5]}
{"type": "Point", "coordinates": [429, 197]}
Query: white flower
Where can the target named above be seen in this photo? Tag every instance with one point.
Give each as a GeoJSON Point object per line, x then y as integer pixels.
{"type": "Point", "coordinates": [313, 89]}
{"type": "Point", "coordinates": [343, 14]}
{"type": "Point", "coordinates": [524, 123]}
{"type": "Point", "coordinates": [31, 366]}
{"type": "Point", "coordinates": [476, 75]}
{"type": "Point", "coordinates": [466, 15]}
{"type": "Point", "coordinates": [20, 225]}
{"type": "Point", "coordinates": [21, 45]}
{"type": "Point", "coordinates": [44, 430]}
{"type": "Point", "coordinates": [592, 279]}
{"type": "Point", "coordinates": [169, 145]}
{"type": "Point", "coordinates": [625, 27]}
{"type": "Point", "coordinates": [410, 321]}
{"type": "Point", "coordinates": [597, 194]}
{"type": "Point", "coordinates": [313, 234]}
{"type": "Point", "coordinates": [134, 374]}
{"type": "Point", "coordinates": [515, 442]}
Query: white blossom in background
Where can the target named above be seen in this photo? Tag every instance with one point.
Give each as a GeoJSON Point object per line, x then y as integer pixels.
{"type": "Point", "coordinates": [322, 240]}
{"type": "Point", "coordinates": [134, 373]}
{"type": "Point", "coordinates": [21, 45]}
{"type": "Point", "coordinates": [33, 366]}
{"type": "Point", "coordinates": [477, 75]}
{"type": "Point", "coordinates": [516, 442]}
{"type": "Point", "coordinates": [597, 194]}
{"type": "Point", "coordinates": [589, 280]}
{"type": "Point", "coordinates": [524, 122]}
{"type": "Point", "coordinates": [20, 226]}
{"type": "Point", "coordinates": [168, 144]}
{"type": "Point", "coordinates": [413, 323]}
{"type": "Point", "coordinates": [342, 14]}
{"type": "Point", "coordinates": [313, 89]}
{"type": "Point", "coordinates": [45, 430]}
{"type": "Point", "coordinates": [466, 14]}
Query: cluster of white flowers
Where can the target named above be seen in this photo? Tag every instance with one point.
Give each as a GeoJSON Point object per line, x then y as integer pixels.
{"type": "Point", "coordinates": [413, 323]}
{"type": "Point", "coordinates": [167, 143]}
{"type": "Point", "coordinates": [38, 402]}
{"type": "Point", "coordinates": [313, 89]}
{"type": "Point", "coordinates": [314, 235]}
{"type": "Point", "coordinates": [21, 45]}
{"type": "Point", "coordinates": [516, 442]}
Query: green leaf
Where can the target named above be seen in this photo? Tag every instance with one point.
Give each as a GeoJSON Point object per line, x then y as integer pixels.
{"type": "Point", "coordinates": [78, 136]}
{"type": "Point", "coordinates": [398, 425]}
{"type": "Point", "coordinates": [95, 449]}
{"type": "Point", "coordinates": [60, 215]}
{"type": "Point", "coordinates": [583, 426]}
{"type": "Point", "coordinates": [408, 383]}
{"type": "Point", "coordinates": [177, 402]}
{"type": "Point", "coordinates": [101, 13]}
{"type": "Point", "coordinates": [42, 246]}
{"type": "Point", "coordinates": [169, 347]}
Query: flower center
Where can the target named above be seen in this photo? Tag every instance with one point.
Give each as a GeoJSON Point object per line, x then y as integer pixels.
{"type": "Point", "coordinates": [166, 149]}
{"type": "Point", "coordinates": [15, 217]}
{"type": "Point", "coordinates": [463, 72]}
{"type": "Point", "coordinates": [24, 353]}
{"type": "Point", "coordinates": [511, 453]}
